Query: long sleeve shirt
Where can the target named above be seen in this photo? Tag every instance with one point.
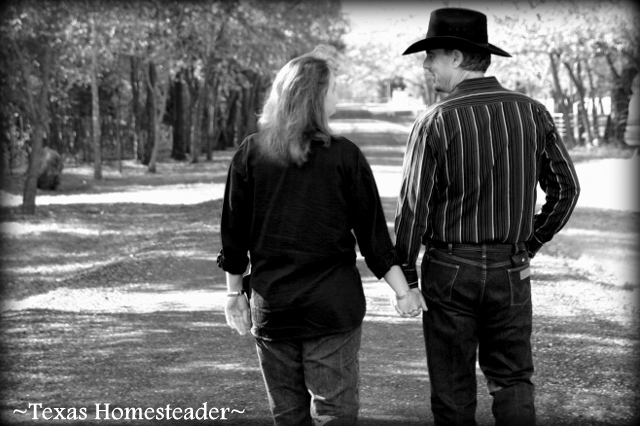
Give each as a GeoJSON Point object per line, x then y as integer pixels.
{"type": "Point", "coordinates": [470, 172]}
{"type": "Point", "coordinates": [300, 225]}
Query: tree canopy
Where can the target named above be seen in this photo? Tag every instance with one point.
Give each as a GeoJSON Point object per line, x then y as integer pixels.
{"type": "Point", "coordinates": [147, 78]}
{"type": "Point", "coordinates": [150, 79]}
{"type": "Point", "coordinates": [571, 51]}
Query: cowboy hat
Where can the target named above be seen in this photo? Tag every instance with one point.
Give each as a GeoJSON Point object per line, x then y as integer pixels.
{"type": "Point", "coordinates": [456, 28]}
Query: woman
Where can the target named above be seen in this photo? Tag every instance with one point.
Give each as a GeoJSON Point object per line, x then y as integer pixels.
{"type": "Point", "coordinates": [296, 195]}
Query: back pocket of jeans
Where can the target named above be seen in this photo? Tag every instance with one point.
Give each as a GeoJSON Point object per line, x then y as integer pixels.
{"type": "Point", "coordinates": [520, 282]}
{"type": "Point", "coordinates": [439, 278]}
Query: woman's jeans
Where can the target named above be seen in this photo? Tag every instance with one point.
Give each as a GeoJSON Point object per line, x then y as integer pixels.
{"type": "Point", "coordinates": [479, 299]}
{"type": "Point", "coordinates": [312, 381]}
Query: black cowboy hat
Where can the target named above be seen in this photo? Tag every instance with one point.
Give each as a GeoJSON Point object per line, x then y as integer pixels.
{"type": "Point", "coordinates": [456, 28]}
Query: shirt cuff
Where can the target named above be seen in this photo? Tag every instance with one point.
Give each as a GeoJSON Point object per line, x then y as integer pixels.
{"type": "Point", "coordinates": [380, 265]}
{"type": "Point", "coordinates": [411, 274]}
{"type": "Point", "coordinates": [236, 267]}
{"type": "Point", "coordinates": [533, 245]}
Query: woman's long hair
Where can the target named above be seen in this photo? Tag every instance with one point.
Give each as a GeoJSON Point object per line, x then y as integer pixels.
{"type": "Point", "coordinates": [294, 114]}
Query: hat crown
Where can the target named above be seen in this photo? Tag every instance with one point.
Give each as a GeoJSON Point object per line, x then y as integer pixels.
{"type": "Point", "coordinates": [462, 23]}
{"type": "Point", "coordinates": [456, 28]}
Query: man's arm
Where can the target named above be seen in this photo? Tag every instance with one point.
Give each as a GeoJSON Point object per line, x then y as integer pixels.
{"type": "Point", "coordinates": [559, 181]}
{"type": "Point", "coordinates": [412, 212]}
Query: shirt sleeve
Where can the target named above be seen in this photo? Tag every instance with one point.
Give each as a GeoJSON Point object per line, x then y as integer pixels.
{"type": "Point", "coordinates": [237, 212]}
{"type": "Point", "coordinates": [418, 177]}
{"type": "Point", "coordinates": [369, 223]}
{"type": "Point", "coordinates": [559, 181]}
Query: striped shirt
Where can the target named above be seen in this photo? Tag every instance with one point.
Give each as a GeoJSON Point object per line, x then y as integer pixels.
{"type": "Point", "coordinates": [470, 172]}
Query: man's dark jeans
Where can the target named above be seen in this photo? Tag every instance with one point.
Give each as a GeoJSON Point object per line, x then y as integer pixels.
{"type": "Point", "coordinates": [312, 380]}
{"type": "Point", "coordinates": [479, 299]}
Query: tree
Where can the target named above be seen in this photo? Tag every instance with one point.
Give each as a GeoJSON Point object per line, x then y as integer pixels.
{"type": "Point", "coordinates": [114, 64]}
{"type": "Point", "coordinates": [561, 99]}
{"type": "Point", "coordinates": [34, 35]}
{"type": "Point", "coordinates": [95, 104]}
{"type": "Point", "coordinates": [236, 47]}
{"type": "Point", "coordinates": [586, 44]}
{"type": "Point", "coordinates": [158, 90]}
{"type": "Point", "coordinates": [374, 59]}
{"type": "Point", "coordinates": [180, 116]}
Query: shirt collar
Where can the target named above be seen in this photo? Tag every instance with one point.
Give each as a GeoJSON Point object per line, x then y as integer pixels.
{"type": "Point", "coordinates": [476, 84]}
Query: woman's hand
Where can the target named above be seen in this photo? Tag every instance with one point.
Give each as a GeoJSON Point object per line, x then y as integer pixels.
{"type": "Point", "coordinates": [238, 314]}
{"type": "Point", "coordinates": [410, 304]}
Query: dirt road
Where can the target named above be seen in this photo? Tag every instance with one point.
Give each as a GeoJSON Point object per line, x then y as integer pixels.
{"type": "Point", "coordinates": [121, 304]}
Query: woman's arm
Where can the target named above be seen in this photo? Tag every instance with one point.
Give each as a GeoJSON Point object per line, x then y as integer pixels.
{"type": "Point", "coordinates": [370, 228]}
{"type": "Point", "coordinates": [407, 302]}
{"type": "Point", "coordinates": [237, 211]}
{"type": "Point", "coordinates": [237, 311]}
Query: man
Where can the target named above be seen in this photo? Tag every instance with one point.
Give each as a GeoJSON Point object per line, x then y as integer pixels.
{"type": "Point", "coordinates": [468, 194]}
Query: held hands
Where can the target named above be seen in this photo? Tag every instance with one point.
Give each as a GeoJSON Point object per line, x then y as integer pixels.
{"type": "Point", "coordinates": [409, 304]}
{"type": "Point", "coordinates": [238, 314]}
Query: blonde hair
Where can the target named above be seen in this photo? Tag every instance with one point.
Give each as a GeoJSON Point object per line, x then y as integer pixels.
{"type": "Point", "coordinates": [293, 114]}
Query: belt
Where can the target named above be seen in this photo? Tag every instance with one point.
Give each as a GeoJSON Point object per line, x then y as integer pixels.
{"type": "Point", "coordinates": [503, 247]}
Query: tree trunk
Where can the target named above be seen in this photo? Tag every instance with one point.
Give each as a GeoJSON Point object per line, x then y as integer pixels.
{"type": "Point", "coordinates": [608, 130]}
{"type": "Point", "coordinates": [38, 114]}
{"type": "Point", "coordinates": [118, 141]}
{"type": "Point", "coordinates": [198, 112]}
{"type": "Point", "coordinates": [582, 109]}
{"type": "Point", "coordinates": [154, 150]}
{"type": "Point", "coordinates": [31, 182]}
{"type": "Point", "coordinates": [86, 146]}
{"type": "Point", "coordinates": [78, 141]}
{"type": "Point", "coordinates": [158, 94]}
{"type": "Point", "coordinates": [218, 126]}
{"type": "Point", "coordinates": [561, 100]}
{"type": "Point", "coordinates": [250, 105]}
{"type": "Point", "coordinates": [188, 111]}
{"type": "Point", "coordinates": [178, 151]}
{"type": "Point", "coordinates": [231, 124]}
{"type": "Point", "coordinates": [6, 142]}
{"type": "Point", "coordinates": [211, 117]}
{"type": "Point", "coordinates": [152, 78]}
{"type": "Point", "coordinates": [152, 100]}
{"type": "Point", "coordinates": [594, 108]}
{"type": "Point", "coordinates": [136, 110]}
{"type": "Point", "coordinates": [620, 95]}
{"type": "Point", "coordinates": [54, 138]}
{"type": "Point", "coordinates": [95, 108]}
{"type": "Point", "coordinates": [13, 143]}
{"type": "Point", "coordinates": [221, 135]}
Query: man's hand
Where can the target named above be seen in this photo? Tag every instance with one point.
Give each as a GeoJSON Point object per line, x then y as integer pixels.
{"type": "Point", "coordinates": [412, 305]}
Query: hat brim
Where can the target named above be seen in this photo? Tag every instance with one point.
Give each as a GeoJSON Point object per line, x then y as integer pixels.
{"type": "Point", "coordinates": [432, 43]}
